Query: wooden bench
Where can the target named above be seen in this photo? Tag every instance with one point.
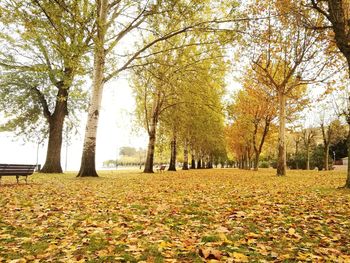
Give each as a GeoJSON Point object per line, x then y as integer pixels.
{"type": "Point", "coordinates": [161, 168]}
{"type": "Point", "coordinates": [16, 170]}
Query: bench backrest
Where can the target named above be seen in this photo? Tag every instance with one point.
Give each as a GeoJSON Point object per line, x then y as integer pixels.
{"type": "Point", "coordinates": [162, 167]}
{"type": "Point", "coordinates": [16, 169]}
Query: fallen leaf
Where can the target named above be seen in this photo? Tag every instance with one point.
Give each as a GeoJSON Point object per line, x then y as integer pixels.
{"type": "Point", "coordinates": [240, 257]}
{"type": "Point", "coordinates": [210, 253]}
{"type": "Point", "coordinates": [291, 231]}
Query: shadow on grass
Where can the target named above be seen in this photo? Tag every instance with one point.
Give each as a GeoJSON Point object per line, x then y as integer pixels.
{"type": "Point", "coordinates": [15, 185]}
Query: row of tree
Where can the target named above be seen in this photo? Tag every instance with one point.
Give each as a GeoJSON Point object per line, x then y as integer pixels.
{"type": "Point", "coordinates": [50, 48]}
{"type": "Point", "coordinates": [179, 99]}
{"type": "Point", "coordinates": [128, 156]}
{"type": "Point", "coordinates": [292, 47]}
{"type": "Point", "coordinates": [174, 52]}
{"type": "Point", "coordinates": [306, 148]}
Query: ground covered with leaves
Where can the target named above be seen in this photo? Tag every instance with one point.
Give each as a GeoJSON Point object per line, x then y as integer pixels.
{"type": "Point", "coordinates": [194, 216]}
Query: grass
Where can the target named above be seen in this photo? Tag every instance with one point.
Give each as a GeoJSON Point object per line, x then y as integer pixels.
{"type": "Point", "coordinates": [130, 217]}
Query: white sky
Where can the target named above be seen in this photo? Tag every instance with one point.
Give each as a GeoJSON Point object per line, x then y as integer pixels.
{"type": "Point", "coordinates": [115, 130]}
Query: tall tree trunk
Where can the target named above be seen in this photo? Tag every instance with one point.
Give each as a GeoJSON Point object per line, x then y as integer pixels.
{"type": "Point", "coordinates": [326, 134]}
{"type": "Point", "coordinates": [193, 162]}
{"type": "Point", "coordinates": [53, 155]}
{"type": "Point", "coordinates": [88, 166]}
{"type": "Point", "coordinates": [56, 121]}
{"type": "Point", "coordinates": [256, 161]}
{"type": "Point", "coordinates": [185, 164]}
{"type": "Point", "coordinates": [281, 161]}
{"type": "Point", "coordinates": [172, 164]}
{"type": "Point", "coordinates": [308, 157]}
{"type": "Point", "coordinates": [244, 161]}
{"type": "Point", "coordinates": [339, 17]}
{"type": "Point", "coordinates": [347, 184]}
{"type": "Point", "coordinates": [199, 164]}
{"type": "Point", "coordinates": [338, 14]}
{"type": "Point", "coordinates": [258, 149]}
{"type": "Point", "coordinates": [210, 162]}
{"type": "Point", "coordinates": [150, 149]}
{"type": "Point", "coordinates": [326, 157]}
{"type": "Point", "coordinates": [296, 154]}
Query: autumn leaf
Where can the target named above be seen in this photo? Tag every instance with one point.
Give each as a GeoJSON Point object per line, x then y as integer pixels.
{"type": "Point", "coordinates": [239, 215]}
{"type": "Point", "coordinates": [240, 257]}
{"type": "Point", "coordinates": [210, 253]}
{"type": "Point", "coordinates": [291, 231]}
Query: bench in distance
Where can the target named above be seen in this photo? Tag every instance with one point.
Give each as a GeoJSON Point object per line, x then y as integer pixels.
{"type": "Point", "coordinates": [16, 170]}
{"type": "Point", "coordinates": [161, 168]}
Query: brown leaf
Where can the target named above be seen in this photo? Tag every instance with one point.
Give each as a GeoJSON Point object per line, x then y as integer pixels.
{"type": "Point", "coordinates": [210, 253]}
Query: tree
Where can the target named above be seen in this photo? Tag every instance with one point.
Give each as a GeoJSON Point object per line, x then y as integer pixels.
{"type": "Point", "coordinates": [337, 14]}
{"type": "Point", "coordinates": [256, 105]}
{"type": "Point", "coordinates": [127, 151]}
{"type": "Point", "coordinates": [308, 138]}
{"type": "Point", "coordinates": [339, 149]}
{"type": "Point", "coordinates": [285, 62]}
{"type": "Point", "coordinates": [297, 137]}
{"type": "Point", "coordinates": [331, 134]}
{"type": "Point", "coordinates": [42, 55]}
{"type": "Point", "coordinates": [169, 90]}
{"type": "Point", "coordinates": [114, 21]}
{"type": "Point", "coordinates": [239, 139]}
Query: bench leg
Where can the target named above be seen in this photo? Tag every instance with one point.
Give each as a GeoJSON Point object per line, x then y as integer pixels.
{"type": "Point", "coordinates": [26, 179]}
{"type": "Point", "coordinates": [17, 177]}
{"type": "Point", "coordinates": [0, 179]}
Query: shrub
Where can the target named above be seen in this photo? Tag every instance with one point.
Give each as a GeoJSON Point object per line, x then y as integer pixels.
{"type": "Point", "coordinates": [264, 164]}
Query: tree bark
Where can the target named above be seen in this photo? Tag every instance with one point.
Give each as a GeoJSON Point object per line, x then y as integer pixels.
{"type": "Point", "coordinates": [199, 164]}
{"type": "Point", "coordinates": [185, 164]}
{"type": "Point", "coordinates": [338, 14]}
{"type": "Point", "coordinates": [257, 150]}
{"type": "Point", "coordinates": [88, 166]}
{"type": "Point", "coordinates": [281, 161]}
{"type": "Point", "coordinates": [256, 161]}
{"type": "Point", "coordinates": [193, 162]}
{"type": "Point", "coordinates": [326, 135]}
{"type": "Point", "coordinates": [326, 157]}
{"type": "Point", "coordinates": [56, 121]}
{"type": "Point", "coordinates": [347, 184]}
{"type": "Point", "coordinates": [339, 17]}
{"type": "Point", "coordinates": [244, 160]}
{"type": "Point", "coordinates": [172, 164]}
{"type": "Point", "coordinates": [150, 149]}
{"type": "Point", "coordinates": [308, 157]}
{"type": "Point", "coordinates": [296, 153]}
{"type": "Point", "coordinates": [210, 162]}
{"type": "Point", "coordinates": [53, 155]}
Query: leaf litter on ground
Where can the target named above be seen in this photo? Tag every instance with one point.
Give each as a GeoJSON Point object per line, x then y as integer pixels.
{"type": "Point", "coordinates": [217, 215]}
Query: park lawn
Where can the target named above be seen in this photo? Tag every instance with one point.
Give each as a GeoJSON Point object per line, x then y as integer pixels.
{"type": "Point", "coordinates": [225, 214]}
